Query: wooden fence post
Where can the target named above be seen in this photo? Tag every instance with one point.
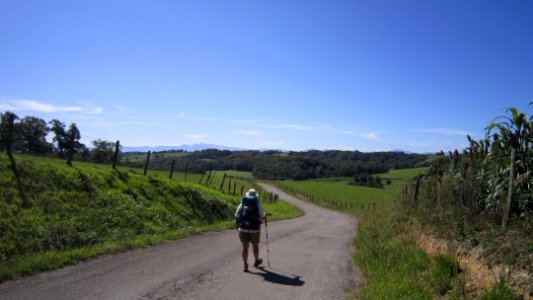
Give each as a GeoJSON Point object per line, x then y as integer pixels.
{"type": "Point", "coordinates": [201, 178]}
{"type": "Point", "coordinates": [242, 189]}
{"type": "Point", "coordinates": [147, 162]}
{"type": "Point", "coordinates": [507, 212]}
{"type": "Point", "coordinates": [229, 186]}
{"type": "Point", "coordinates": [208, 177]}
{"type": "Point", "coordinates": [212, 177]}
{"type": "Point", "coordinates": [115, 158]}
{"type": "Point", "coordinates": [223, 179]}
{"type": "Point", "coordinates": [415, 194]}
{"type": "Point", "coordinates": [172, 169]}
{"type": "Point", "coordinates": [465, 172]}
{"type": "Point", "coordinates": [234, 186]}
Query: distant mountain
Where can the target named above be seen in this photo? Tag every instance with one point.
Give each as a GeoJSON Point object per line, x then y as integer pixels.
{"type": "Point", "coordinates": [188, 148]}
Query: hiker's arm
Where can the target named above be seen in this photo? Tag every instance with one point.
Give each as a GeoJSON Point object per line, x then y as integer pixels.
{"type": "Point", "coordinates": [237, 212]}
{"type": "Point", "coordinates": [262, 213]}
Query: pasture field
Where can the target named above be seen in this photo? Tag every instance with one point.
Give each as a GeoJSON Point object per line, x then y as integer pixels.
{"type": "Point", "coordinates": [89, 209]}
{"type": "Point", "coordinates": [135, 157]}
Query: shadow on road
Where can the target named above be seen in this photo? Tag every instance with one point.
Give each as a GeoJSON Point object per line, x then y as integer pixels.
{"type": "Point", "coordinates": [279, 278]}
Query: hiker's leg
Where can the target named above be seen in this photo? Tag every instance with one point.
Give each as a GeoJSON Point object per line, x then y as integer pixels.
{"type": "Point", "coordinates": [256, 250]}
{"type": "Point", "coordinates": [245, 252]}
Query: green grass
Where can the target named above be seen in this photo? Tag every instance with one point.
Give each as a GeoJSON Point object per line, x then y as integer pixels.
{"type": "Point", "coordinates": [339, 195]}
{"type": "Point", "coordinates": [142, 157]}
{"type": "Point", "coordinates": [399, 177]}
{"type": "Point", "coordinates": [391, 262]}
{"type": "Point", "coordinates": [89, 209]}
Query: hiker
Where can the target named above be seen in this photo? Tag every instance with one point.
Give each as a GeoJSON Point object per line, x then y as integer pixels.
{"type": "Point", "coordinates": [248, 218]}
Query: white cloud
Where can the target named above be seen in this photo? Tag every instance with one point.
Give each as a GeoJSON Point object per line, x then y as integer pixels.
{"type": "Point", "coordinates": [294, 126]}
{"type": "Point", "coordinates": [249, 132]}
{"type": "Point", "coordinates": [32, 105]}
{"type": "Point", "coordinates": [196, 136]}
{"type": "Point", "coordinates": [443, 131]}
{"type": "Point", "coordinates": [7, 107]}
{"type": "Point", "coordinates": [96, 111]}
{"type": "Point", "coordinates": [372, 136]}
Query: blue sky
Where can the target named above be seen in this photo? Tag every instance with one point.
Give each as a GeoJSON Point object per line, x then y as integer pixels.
{"type": "Point", "coordinates": [351, 75]}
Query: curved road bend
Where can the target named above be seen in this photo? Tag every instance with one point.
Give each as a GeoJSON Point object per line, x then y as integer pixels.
{"type": "Point", "coordinates": [310, 259]}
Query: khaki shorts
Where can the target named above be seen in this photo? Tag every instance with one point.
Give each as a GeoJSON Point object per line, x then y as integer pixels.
{"type": "Point", "coordinates": [247, 237]}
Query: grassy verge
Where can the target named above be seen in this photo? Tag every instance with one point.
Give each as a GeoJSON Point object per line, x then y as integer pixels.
{"type": "Point", "coordinates": [394, 266]}
{"type": "Point", "coordinates": [87, 210]}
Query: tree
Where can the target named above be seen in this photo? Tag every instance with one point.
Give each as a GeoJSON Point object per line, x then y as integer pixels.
{"type": "Point", "coordinates": [58, 128]}
{"type": "Point", "coordinates": [72, 142]}
{"type": "Point", "coordinates": [7, 140]}
{"type": "Point", "coordinates": [7, 131]}
{"type": "Point", "coordinates": [103, 151]}
{"type": "Point", "coordinates": [33, 133]}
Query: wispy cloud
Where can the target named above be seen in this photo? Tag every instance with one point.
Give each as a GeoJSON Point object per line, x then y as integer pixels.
{"type": "Point", "coordinates": [249, 132]}
{"type": "Point", "coordinates": [32, 105]}
{"type": "Point", "coordinates": [118, 123]}
{"type": "Point", "coordinates": [96, 111]}
{"type": "Point", "coordinates": [372, 136]}
{"type": "Point", "coordinates": [195, 137]}
{"type": "Point", "coordinates": [293, 126]}
{"type": "Point", "coordinates": [36, 106]}
{"type": "Point", "coordinates": [443, 131]}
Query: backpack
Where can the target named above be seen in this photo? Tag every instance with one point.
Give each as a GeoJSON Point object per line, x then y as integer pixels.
{"type": "Point", "coordinates": [248, 215]}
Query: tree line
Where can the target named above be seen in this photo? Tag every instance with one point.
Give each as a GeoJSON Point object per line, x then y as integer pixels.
{"type": "Point", "coordinates": [28, 135]}
{"type": "Point", "coordinates": [277, 165]}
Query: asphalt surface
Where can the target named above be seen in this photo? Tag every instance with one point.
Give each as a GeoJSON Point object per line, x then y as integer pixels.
{"type": "Point", "coordinates": [309, 257]}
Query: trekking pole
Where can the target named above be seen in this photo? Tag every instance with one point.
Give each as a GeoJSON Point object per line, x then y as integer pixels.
{"type": "Point", "coordinates": [266, 231]}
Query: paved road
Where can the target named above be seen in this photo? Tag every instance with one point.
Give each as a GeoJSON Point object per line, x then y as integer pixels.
{"type": "Point", "coordinates": [310, 259]}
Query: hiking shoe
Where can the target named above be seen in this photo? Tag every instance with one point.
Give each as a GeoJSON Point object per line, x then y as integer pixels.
{"type": "Point", "coordinates": [245, 268]}
{"type": "Point", "coordinates": [258, 262]}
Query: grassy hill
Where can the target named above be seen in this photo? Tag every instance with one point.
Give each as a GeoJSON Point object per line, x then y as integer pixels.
{"type": "Point", "coordinates": [86, 210]}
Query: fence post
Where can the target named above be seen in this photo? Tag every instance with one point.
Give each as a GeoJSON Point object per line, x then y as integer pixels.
{"type": "Point", "coordinates": [212, 177]}
{"type": "Point", "coordinates": [508, 205]}
{"type": "Point", "coordinates": [223, 179]}
{"type": "Point", "coordinates": [186, 169]}
{"type": "Point", "coordinates": [415, 194]}
{"type": "Point", "coordinates": [172, 169]}
{"type": "Point", "coordinates": [465, 172]}
{"type": "Point", "coordinates": [147, 162]}
{"type": "Point", "coordinates": [242, 189]}
{"type": "Point", "coordinates": [234, 186]}
{"type": "Point", "coordinates": [115, 158]}
{"type": "Point", "coordinates": [201, 178]}
{"type": "Point", "coordinates": [208, 177]}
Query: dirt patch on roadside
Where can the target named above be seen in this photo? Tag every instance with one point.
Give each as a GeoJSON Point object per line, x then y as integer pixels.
{"type": "Point", "coordinates": [478, 273]}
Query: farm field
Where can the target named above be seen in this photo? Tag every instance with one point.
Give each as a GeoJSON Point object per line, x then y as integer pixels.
{"type": "Point", "coordinates": [136, 157]}
{"type": "Point", "coordinates": [337, 193]}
